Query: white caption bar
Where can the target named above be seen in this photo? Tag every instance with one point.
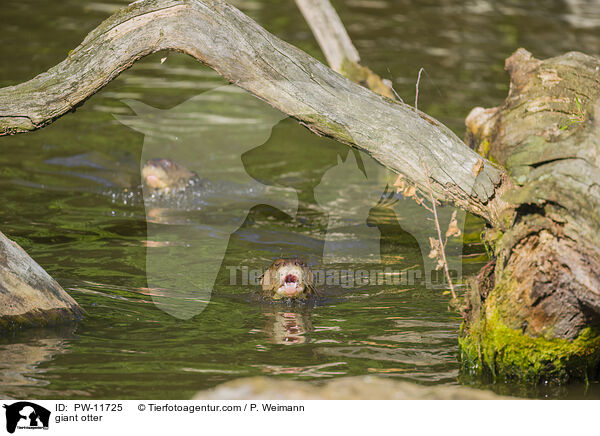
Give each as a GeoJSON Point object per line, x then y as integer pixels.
{"type": "Point", "coordinates": [261, 417]}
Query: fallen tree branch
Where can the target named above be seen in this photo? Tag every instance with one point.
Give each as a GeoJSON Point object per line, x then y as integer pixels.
{"type": "Point", "coordinates": [220, 36]}
{"type": "Point", "coordinates": [329, 32]}
{"type": "Point", "coordinates": [341, 55]}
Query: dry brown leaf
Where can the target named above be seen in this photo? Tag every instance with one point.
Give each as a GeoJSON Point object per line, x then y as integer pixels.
{"type": "Point", "coordinates": [410, 191]}
{"type": "Point", "coordinates": [435, 248]}
{"type": "Point", "coordinates": [399, 180]}
{"type": "Point", "coordinates": [478, 167]}
{"type": "Point", "coordinates": [453, 229]}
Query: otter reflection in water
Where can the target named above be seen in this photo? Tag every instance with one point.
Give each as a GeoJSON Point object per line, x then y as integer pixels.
{"type": "Point", "coordinates": [287, 328]}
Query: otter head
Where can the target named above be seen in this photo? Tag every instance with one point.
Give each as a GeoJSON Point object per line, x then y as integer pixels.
{"type": "Point", "coordinates": [166, 175]}
{"type": "Point", "coordinates": [288, 278]}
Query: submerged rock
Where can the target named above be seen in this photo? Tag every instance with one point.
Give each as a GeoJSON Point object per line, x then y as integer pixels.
{"type": "Point", "coordinates": [28, 295]}
{"type": "Point", "coordinates": [345, 388]}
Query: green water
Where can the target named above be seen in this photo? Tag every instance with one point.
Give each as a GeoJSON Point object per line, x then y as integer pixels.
{"type": "Point", "coordinates": [80, 226]}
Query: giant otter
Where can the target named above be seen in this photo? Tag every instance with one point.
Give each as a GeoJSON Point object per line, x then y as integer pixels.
{"type": "Point", "coordinates": [165, 176]}
{"type": "Point", "coordinates": [288, 278]}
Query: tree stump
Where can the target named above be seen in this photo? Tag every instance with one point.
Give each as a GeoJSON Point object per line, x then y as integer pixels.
{"type": "Point", "coordinates": [535, 313]}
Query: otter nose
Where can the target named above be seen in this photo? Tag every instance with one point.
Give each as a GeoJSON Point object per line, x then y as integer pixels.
{"type": "Point", "coordinates": [153, 181]}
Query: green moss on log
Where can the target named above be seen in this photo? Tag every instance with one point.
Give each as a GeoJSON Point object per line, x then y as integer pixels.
{"type": "Point", "coordinates": [39, 318]}
{"type": "Point", "coordinates": [507, 354]}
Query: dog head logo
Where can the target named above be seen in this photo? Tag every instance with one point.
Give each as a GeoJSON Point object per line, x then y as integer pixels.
{"type": "Point", "coordinates": [26, 415]}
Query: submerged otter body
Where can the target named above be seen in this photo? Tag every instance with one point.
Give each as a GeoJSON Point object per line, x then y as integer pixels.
{"type": "Point", "coordinates": [165, 176]}
{"type": "Point", "coordinates": [288, 278]}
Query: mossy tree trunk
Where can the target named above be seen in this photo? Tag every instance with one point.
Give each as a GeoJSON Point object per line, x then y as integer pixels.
{"type": "Point", "coordinates": [533, 313]}
{"type": "Point", "coordinates": [536, 313]}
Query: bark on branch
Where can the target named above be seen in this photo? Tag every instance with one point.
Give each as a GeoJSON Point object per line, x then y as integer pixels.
{"type": "Point", "coordinates": [220, 36]}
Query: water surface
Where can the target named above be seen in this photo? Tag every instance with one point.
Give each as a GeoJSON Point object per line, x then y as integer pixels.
{"type": "Point", "coordinates": [63, 195]}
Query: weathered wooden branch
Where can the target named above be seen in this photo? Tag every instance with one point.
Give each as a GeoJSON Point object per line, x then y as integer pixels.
{"type": "Point", "coordinates": [217, 34]}
{"type": "Point", "coordinates": [329, 32]}
{"type": "Point", "coordinates": [29, 297]}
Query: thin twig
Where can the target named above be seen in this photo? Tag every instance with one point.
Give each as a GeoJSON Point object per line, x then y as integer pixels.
{"type": "Point", "coordinates": [392, 85]}
{"type": "Point", "coordinates": [417, 87]}
{"type": "Point", "coordinates": [427, 207]}
{"type": "Point", "coordinates": [439, 231]}
{"type": "Point", "coordinates": [396, 94]}
{"type": "Point", "coordinates": [433, 208]}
